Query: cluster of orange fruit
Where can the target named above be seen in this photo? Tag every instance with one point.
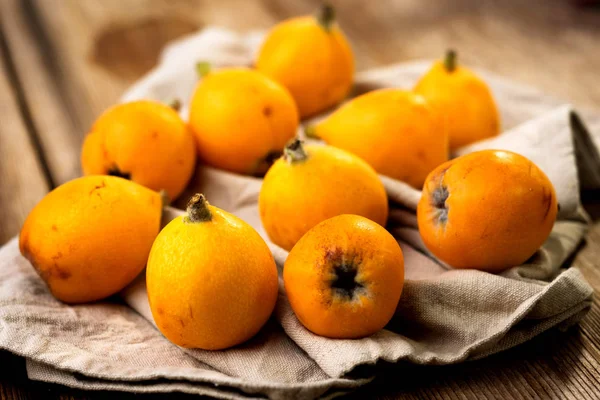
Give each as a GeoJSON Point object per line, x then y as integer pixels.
{"type": "Point", "coordinates": [212, 282]}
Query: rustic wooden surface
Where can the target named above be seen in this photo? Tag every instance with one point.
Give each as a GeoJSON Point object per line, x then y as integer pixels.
{"type": "Point", "coordinates": [62, 62]}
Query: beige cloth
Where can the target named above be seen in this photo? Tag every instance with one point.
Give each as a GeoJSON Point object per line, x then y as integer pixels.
{"type": "Point", "coordinates": [444, 316]}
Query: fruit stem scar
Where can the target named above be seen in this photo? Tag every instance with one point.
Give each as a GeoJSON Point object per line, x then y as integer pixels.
{"type": "Point", "coordinates": [115, 171]}
{"type": "Point", "coordinates": [439, 196]}
{"type": "Point", "coordinates": [344, 283]}
{"type": "Point", "coordinates": [202, 68]}
{"type": "Point", "coordinates": [326, 16]}
{"type": "Point", "coordinates": [294, 151]}
{"type": "Point", "coordinates": [197, 209]}
{"type": "Point", "coordinates": [450, 60]}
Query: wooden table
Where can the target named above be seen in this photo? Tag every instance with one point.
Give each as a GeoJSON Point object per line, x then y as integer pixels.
{"type": "Point", "coordinates": [62, 62]}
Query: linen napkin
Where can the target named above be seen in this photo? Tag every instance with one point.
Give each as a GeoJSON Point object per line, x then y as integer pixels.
{"type": "Point", "coordinates": [444, 316]}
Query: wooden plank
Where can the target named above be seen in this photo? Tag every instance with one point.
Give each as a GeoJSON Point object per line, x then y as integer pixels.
{"type": "Point", "coordinates": [548, 44]}
{"type": "Point", "coordinates": [39, 78]}
{"type": "Point", "coordinates": [22, 180]}
{"type": "Point", "coordinates": [83, 55]}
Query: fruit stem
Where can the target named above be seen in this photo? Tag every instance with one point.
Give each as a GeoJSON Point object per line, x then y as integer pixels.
{"type": "Point", "coordinates": [326, 17]}
{"type": "Point", "coordinates": [197, 209]}
{"type": "Point", "coordinates": [203, 68]}
{"type": "Point", "coordinates": [450, 60]}
{"type": "Point", "coordinates": [175, 104]}
{"type": "Point", "coordinates": [311, 132]}
{"type": "Point", "coordinates": [294, 151]}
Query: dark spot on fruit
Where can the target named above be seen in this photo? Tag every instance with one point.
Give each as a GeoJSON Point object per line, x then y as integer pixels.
{"type": "Point", "coordinates": [115, 171]}
{"type": "Point", "coordinates": [181, 322]}
{"type": "Point", "coordinates": [62, 273]}
{"type": "Point", "coordinates": [267, 111]}
{"type": "Point", "coordinates": [57, 256]}
{"type": "Point", "coordinates": [154, 135]}
{"type": "Point", "coordinates": [191, 312]}
{"type": "Point", "coordinates": [421, 155]}
{"type": "Point", "coordinates": [268, 160]}
{"type": "Point", "coordinates": [160, 311]}
{"type": "Point", "coordinates": [54, 228]}
{"type": "Point", "coordinates": [180, 162]}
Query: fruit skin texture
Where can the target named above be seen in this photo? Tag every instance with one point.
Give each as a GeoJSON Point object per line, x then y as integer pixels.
{"type": "Point", "coordinates": [144, 141]}
{"type": "Point", "coordinates": [297, 195]}
{"type": "Point", "coordinates": [488, 210]}
{"type": "Point", "coordinates": [465, 100]}
{"type": "Point", "coordinates": [395, 131]}
{"type": "Point", "coordinates": [211, 284]}
{"type": "Point", "coordinates": [241, 120]}
{"type": "Point", "coordinates": [315, 64]}
{"type": "Point", "coordinates": [90, 237]}
{"type": "Point", "coordinates": [344, 277]}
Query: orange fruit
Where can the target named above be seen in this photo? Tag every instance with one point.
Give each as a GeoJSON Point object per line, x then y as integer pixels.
{"type": "Point", "coordinates": [344, 277]}
{"type": "Point", "coordinates": [211, 279]}
{"type": "Point", "coordinates": [144, 141]}
{"type": "Point", "coordinates": [241, 120]}
{"type": "Point", "coordinates": [464, 100]}
{"type": "Point", "coordinates": [310, 184]}
{"type": "Point", "coordinates": [488, 210]}
{"type": "Point", "coordinates": [396, 131]}
{"type": "Point", "coordinates": [90, 237]}
{"type": "Point", "coordinates": [312, 58]}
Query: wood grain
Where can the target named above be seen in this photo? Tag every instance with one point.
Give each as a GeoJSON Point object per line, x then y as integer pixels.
{"type": "Point", "coordinates": [63, 63]}
{"type": "Point", "coordinates": [22, 179]}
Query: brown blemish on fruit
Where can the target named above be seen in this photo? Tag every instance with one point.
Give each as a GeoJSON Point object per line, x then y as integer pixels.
{"type": "Point", "coordinates": [267, 111]}
{"type": "Point", "coordinates": [61, 273]}
{"type": "Point", "coordinates": [154, 135]}
{"type": "Point", "coordinates": [421, 155]}
{"type": "Point", "coordinates": [54, 228]}
{"type": "Point", "coordinates": [181, 322]}
{"type": "Point", "coordinates": [190, 311]}
{"type": "Point", "coordinates": [160, 311]}
{"type": "Point", "coordinates": [102, 185]}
